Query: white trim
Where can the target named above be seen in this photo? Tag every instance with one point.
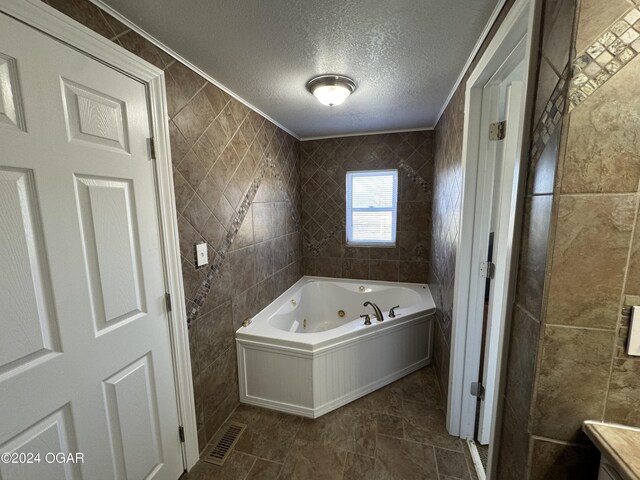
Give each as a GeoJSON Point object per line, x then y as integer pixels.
{"type": "Point", "coordinates": [51, 22]}
{"type": "Point", "coordinates": [143, 33]}
{"type": "Point", "coordinates": [476, 460]}
{"type": "Point", "coordinates": [474, 52]}
{"type": "Point", "coordinates": [520, 21]}
{"type": "Point", "coordinates": [381, 132]}
{"type": "Point", "coordinates": [173, 273]}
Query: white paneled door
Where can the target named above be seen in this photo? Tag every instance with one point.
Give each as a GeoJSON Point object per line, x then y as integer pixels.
{"type": "Point", "coordinates": [85, 354]}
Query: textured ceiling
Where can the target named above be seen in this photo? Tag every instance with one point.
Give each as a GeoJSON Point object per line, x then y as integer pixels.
{"type": "Point", "coordinates": [405, 55]}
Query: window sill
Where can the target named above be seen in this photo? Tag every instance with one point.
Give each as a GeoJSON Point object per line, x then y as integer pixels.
{"type": "Point", "coordinates": [370, 245]}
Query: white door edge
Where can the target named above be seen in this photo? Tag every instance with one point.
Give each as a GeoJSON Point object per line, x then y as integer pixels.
{"type": "Point", "coordinates": [500, 309]}
{"type": "Point", "coordinates": [521, 21]}
{"type": "Point", "coordinates": [48, 20]}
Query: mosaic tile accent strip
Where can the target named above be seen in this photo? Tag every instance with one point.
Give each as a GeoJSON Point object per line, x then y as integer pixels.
{"type": "Point", "coordinates": [413, 175]}
{"type": "Point", "coordinates": [616, 47]}
{"type": "Point", "coordinates": [551, 117]}
{"type": "Point", "coordinates": [204, 289]}
{"type": "Point", "coordinates": [316, 247]}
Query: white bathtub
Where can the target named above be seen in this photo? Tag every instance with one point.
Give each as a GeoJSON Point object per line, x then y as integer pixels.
{"type": "Point", "coordinates": [300, 355]}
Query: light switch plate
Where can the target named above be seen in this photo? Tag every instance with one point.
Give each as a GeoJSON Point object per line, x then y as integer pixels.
{"type": "Point", "coordinates": [202, 255]}
{"type": "Point", "coordinates": [633, 345]}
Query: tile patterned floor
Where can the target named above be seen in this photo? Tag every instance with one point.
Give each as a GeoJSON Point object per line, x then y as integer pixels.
{"type": "Point", "coordinates": [397, 432]}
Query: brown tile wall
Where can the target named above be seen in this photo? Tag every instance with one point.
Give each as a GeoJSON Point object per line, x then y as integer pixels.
{"type": "Point", "coordinates": [324, 164]}
{"type": "Point", "coordinates": [582, 370]}
{"type": "Point", "coordinates": [218, 148]}
{"type": "Point", "coordinates": [557, 18]}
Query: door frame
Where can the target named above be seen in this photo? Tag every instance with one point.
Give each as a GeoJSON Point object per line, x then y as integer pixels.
{"type": "Point", "coordinates": [521, 21]}
{"type": "Point", "coordinates": [46, 19]}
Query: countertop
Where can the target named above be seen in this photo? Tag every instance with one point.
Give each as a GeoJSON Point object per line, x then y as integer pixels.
{"type": "Point", "coordinates": [619, 444]}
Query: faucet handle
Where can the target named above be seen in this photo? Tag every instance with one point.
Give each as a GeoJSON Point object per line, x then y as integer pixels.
{"type": "Point", "coordinates": [367, 319]}
{"type": "Point", "coordinates": [392, 314]}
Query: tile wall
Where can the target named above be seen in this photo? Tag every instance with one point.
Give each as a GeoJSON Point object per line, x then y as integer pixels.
{"type": "Point", "coordinates": [582, 371]}
{"type": "Point", "coordinates": [553, 59]}
{"type": "Point", "coordinates": [236, 187]}
{"type": "Point", "coordinates": [323, 166]}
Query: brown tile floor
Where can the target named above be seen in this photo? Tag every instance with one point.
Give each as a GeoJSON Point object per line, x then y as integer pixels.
{"type": "Point", "coordinates": [397, 432]}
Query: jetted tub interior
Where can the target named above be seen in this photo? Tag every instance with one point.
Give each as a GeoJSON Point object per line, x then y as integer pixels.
{"type": "Point", "coordinates": [310, 352]}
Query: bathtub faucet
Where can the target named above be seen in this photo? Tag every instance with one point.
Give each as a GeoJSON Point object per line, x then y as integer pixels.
{"type": "Point", "coordinates": [376, 309]}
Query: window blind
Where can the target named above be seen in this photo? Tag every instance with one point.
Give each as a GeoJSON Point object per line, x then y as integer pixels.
{"type": "Point", "coordinates": [371, 207]}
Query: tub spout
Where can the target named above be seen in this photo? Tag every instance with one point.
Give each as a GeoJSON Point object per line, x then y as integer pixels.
{"type": "Point", "coordinates": [376, 309]}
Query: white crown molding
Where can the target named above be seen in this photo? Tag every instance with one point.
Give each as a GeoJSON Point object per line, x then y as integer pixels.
{"type": "Point", "coordinates": [474, 52]}
{"type": "Point", "coordinates": [382, 132]}
{"type": "Point", "coordinates": [140, 31]}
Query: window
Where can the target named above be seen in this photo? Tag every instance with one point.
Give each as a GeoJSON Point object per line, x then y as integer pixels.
{"type": "Point", "coordinates": [372, 200]}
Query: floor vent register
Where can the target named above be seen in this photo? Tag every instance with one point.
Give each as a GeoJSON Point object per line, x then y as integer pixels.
{"type": "Point", "coordinates": [221, 449]}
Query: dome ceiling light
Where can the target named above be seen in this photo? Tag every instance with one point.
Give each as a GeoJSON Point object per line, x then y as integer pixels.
{"type": "Point", "coordinates": [331, 90]}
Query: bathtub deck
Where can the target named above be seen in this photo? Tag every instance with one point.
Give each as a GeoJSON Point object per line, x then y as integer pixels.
{"type": "Point", "coordinates": [395, 432]}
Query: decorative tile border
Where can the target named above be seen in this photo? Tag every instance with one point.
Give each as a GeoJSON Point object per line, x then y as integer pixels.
{"type": "Point", "coordinates": [413, 175]}
{"type": "Point", "coordinates": [316, 247]}
{"type": "Point", "coordinates": [552, 115]}
{"type": "Point", "coordinates": [605, 57]}
{"type": "Point", "coordinates": [267, 163]}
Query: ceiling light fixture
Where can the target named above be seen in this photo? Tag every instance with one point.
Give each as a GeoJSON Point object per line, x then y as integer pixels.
{"type": "Point", "coordinates": [331, 90]}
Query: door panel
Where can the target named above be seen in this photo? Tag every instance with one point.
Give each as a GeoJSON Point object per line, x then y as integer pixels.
{"type": "Point", "coordinates": [133, 420]}
{"type": "Point", "coordinates": [111, 248]}
{"type": "Point", "coordinates": [11, 114]}
{"type": "Point", "coordinates": [88, 342]}
{"type": "Point", "coordinates": [29, 329]}
{"type": "Point", "coordinates": [53, 434]}
{"type": "Point", "coordinates": [95, 118]}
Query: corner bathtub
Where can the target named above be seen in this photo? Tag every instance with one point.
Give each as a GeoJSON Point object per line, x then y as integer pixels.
{"type": "Point", "coordinates": [300, 355]}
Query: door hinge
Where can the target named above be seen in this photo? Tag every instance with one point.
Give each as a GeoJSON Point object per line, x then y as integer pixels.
{"type": "Point", "coordinates": [152, 148]}
{"type": "Point", "coordinates": [181, 433]}
{"type": "Point", "coordinates": [487, 270]}
{"type": "Point", "coordinates": [477, 390]}
{"type": "Point", "coordinates": [497, 131]}
{"type": "Point", "coordinates": [167, 301]}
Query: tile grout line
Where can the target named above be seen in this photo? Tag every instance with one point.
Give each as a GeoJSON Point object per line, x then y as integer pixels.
{"type": "Point", "coordinates": [435, 461]}
{"type": "Point", "coordinates": [559, 442]}
{"type": "Point", "coordinates": [579, 327]}
{"type": "Point", "coordinates": [596, 194]}
{"type": "Point", "coordinates": [255, 460]}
